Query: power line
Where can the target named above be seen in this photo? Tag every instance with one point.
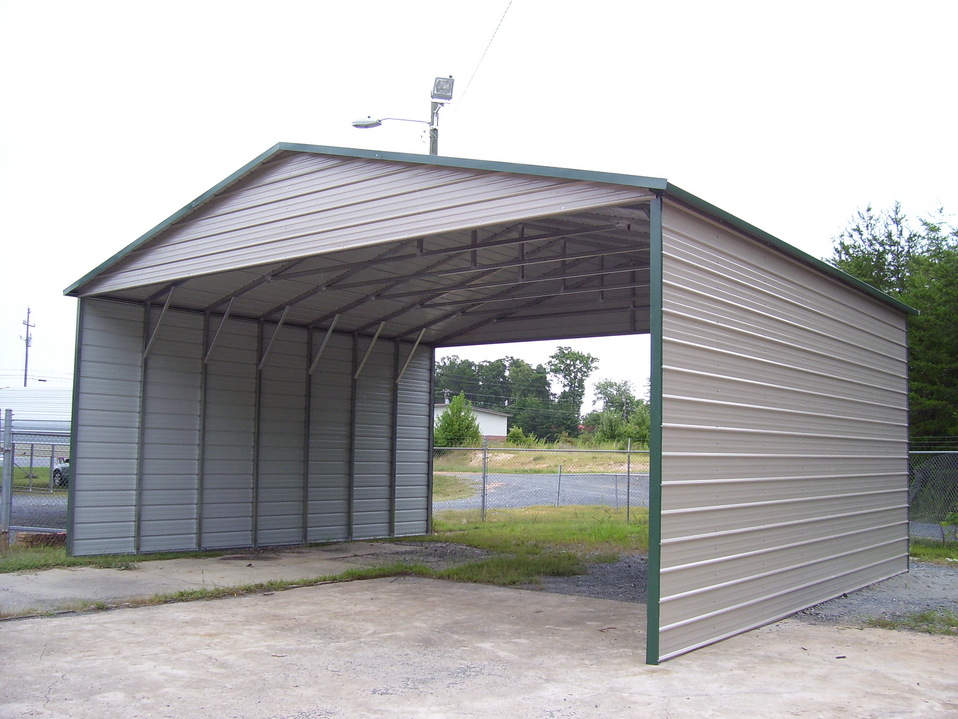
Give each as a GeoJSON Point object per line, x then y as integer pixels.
{"type": "Point", "coordinates": [483, 57]}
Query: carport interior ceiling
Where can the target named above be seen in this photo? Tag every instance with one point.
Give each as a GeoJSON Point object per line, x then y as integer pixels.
{"type": "Point", "coordinates": [447, 255]}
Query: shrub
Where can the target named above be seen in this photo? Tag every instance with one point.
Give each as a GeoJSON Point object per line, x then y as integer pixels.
{"type": "Point", "coordinates": [458, 426]}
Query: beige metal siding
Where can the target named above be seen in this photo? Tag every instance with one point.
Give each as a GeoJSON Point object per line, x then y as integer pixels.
{"type": "Point", "coordinates": [301, 205]}
{"type": "Point", "coordinates": [784, 437]}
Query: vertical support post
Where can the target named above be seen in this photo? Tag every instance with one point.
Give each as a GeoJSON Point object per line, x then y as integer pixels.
{"type": "Point", "coordinates": [74, 422]}
{"type": "Point", "coordinates": [430, 439]}
{"type": "Point", "coordinates": [257, 433]}
{"type": "Point", "coordinates": [559, 486]}
{"type": "Point", "coordinates": [628, 480]}
{"type": "Point", "coordinates": [33, 447]}
{"type": "Point", "coordinates": [6, 487]}
{"type": "Point", "coordinates": [485, 476]}
{"type": "Point", "coordinates": [656, 292]}
{"type": "Point", "coordinates": [141, 432]}
{"type": "Point", "coordinates": [394, 449]}
{"type": "Point", "coordinates": [201, 455]}
{"type": "Point", "coordinates": [351, 493]}
{"type": "Point", "coordinates": [308, 433]}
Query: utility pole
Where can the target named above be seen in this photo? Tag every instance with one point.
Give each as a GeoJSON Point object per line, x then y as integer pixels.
{"type": "Point", "coordinates": [27, 341]}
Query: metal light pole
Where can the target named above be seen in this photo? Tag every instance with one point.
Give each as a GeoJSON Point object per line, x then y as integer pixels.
{"type": "Point", "coordinates": [441, 94]}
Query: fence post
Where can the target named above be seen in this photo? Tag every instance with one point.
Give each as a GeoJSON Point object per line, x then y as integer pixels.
{"type": "Point", "coordinates": [628, 480]}
{"type": "Point", "coordinates": [485, 472]}
{"type": "Point", "coordinates": [559, 485]}
{"type": "Point", "coordinates": [6, 488]}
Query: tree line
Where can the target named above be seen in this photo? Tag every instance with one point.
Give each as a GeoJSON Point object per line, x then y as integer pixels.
{"type": "Point", "coordinates": [524, 392]}
{"type": "Point", "coordinates": [915, 261]}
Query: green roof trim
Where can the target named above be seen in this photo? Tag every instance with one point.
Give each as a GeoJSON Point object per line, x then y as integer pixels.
{"type": "Point", "coordinates": [655, 184]}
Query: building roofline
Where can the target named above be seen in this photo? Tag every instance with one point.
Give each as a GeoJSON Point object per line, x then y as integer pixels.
{"type": "Point", "coordinates": [655, 184]}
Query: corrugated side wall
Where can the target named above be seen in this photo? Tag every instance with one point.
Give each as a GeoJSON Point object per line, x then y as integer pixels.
{"type": "Point", "coordinates": [784, 436]}
{"type": "Point", "coordinates": [106, 428]}
{"type": "Point", "coordinates": [178, 453]}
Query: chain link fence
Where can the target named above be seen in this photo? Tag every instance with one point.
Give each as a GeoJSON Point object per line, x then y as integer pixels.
{"type": "Point", "coordinates": [488, 482]}
{"type": "Point", "coordinates": [36, 476]}
{"type": "Point", "coordinates": [933, 494]}
{"type": "Point", "coordinates": [481, 482]}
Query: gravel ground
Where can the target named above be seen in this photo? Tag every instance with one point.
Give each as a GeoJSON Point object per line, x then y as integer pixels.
{"type": "Point", "coordinates": [925, 586]}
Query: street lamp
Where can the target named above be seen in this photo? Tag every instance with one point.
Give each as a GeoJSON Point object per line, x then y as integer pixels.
{"type": "Point", "coordinates": [441, 94]}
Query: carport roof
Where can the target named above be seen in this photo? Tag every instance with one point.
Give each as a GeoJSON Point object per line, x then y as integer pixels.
{"type": "Point", "coordinates": [453, 251]}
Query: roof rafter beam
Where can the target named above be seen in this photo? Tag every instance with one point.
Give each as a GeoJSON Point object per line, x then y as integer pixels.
{"type": "Point", "coordinates": [450, 315]}
{"type": "Point", "coordinates": [393, 284]}
{"type": "Point", "coordinates": [551, 315]}
{"type": "Point", "coordinates": [333, 282]}
{"type": "Point", "coordinates": [429, 295]}
{"type": "Point", "coordinates": [526, 280]}
{"type": "Point", "coordinates": [458, 249]}
{"type": "Point", "coordinates": [507, 264]}
{"type": "Point", "coordinates": [250, 286]}
{"type": "Point", "coordinates": [546, 295]}
{"type": "Point", "coordinates": [497, 317]}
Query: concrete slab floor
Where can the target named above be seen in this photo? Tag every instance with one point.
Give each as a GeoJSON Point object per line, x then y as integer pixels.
{"type": "Point", "coordinates": [75, 587]}
{"type": "Point", "coordinates": [411, 647]}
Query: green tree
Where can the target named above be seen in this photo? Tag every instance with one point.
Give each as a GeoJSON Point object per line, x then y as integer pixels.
{"type": "Point", "coordinates": [919, 265]}
{"type": "Point", "coordinates": [454, 375]}
{"type": "Point", "coordinates": [571, 369]}
{"type": "Point", "coordinates": [458, 426]}
{"type": "Point", "coordinates": [615, 396]}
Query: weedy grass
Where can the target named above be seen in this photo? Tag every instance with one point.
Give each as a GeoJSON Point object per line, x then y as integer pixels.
{"type": "Point", "coordinates": [930, 621]}
{"type": "Point", "coordinates": [450, 486]}
{"type": "Point", "coordinates": [525, 461]}
{"type": "Point", "coordinates": [930, 550]}
{"type": "Point", "coordinates": [583, 530]}
{"type": "Point", "coordinates": [27, 559]}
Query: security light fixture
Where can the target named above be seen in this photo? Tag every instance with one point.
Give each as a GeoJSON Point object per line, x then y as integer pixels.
{"type": "Point", "coordinates": [442, 88]}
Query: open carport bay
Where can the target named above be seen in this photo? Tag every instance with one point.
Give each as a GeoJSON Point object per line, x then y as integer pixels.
{"type": "Point", "coordinates": [424, 648]}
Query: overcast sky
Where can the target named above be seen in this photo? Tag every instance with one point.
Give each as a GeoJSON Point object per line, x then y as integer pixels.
{"type": "Point", "coordinates": [790, 116]}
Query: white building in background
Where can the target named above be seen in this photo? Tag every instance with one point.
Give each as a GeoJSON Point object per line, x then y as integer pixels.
{"type": "Point", "coordinates": [492, 424]}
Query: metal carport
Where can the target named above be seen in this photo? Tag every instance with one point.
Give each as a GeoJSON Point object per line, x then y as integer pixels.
{"type": "Point", "coordinates": [256, 370]}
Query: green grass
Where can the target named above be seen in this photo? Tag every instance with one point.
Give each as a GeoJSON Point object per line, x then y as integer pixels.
{"type": "Point", "coordinates": [930, 550]}
{"type": "Point", "coordinates": [931, 621]}
{"type": "Point", "coordinates": [31, 559]}
{"type": "Point", "coordinates": [449, 486]}
{"type": "Point", "coordinates": [583, 530]}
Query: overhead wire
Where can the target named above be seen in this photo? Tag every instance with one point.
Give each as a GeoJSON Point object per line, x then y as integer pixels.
{"type": "Point", "coordinates": [483, 56]}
